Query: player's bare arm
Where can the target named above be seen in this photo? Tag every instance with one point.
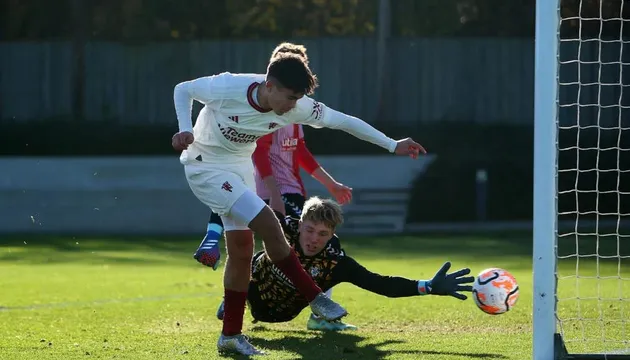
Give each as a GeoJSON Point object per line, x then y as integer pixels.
{"type": "Point", "coordinates": [275, 197]}
{"type": "Point", "coordinates": [261, 159]}
{"type": "Point", "coordinates": [341, 192]}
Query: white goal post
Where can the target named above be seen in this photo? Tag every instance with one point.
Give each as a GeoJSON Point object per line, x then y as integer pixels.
{"type": "Point", "coordinates": [581, 237]}
{"type": "Point", "coordinates": [545, 154]}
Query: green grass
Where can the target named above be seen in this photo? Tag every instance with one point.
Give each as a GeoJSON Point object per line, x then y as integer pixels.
{"type": "Point", "coordinates": [141, 298]}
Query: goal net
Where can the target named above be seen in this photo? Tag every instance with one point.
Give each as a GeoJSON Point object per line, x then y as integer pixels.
{"type": "Point", "coordinates": [589, 148]}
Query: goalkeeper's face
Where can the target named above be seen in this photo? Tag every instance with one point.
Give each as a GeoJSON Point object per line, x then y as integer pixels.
{"type": "Point", "coordinates": [314, 237]}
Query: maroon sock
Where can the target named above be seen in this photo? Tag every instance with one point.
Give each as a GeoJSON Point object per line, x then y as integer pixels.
{"type": "Point", "coordinates": [292, 268]}
{"type": "Point", "coordinates": [234, 309]}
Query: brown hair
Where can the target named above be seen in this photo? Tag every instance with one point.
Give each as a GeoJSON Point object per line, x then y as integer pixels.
{"type": "Point", "coordinates": [288, 68]}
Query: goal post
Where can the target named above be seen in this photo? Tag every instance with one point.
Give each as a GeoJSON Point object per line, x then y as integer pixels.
{"type": "Point", "coordinates": [545, 187]}
{"type": "Point", "coordinates": [581, 237]}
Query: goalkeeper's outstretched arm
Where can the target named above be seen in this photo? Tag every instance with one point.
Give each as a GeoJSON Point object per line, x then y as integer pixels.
{"type": "Point", "coordinates": [348, 270]}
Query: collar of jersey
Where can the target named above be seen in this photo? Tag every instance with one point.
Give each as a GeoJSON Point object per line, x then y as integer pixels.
{"type": "Point", "coordinates": [250, 98]}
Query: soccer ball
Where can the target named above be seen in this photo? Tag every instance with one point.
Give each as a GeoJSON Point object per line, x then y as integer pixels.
{"type": "Point", "coordinates": [495, 291]}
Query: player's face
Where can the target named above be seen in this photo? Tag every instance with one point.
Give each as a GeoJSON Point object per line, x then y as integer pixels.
{"type": "Point", "coordinates": [313, 237]}
{"type": "Point", "coordinates": [281, 99]}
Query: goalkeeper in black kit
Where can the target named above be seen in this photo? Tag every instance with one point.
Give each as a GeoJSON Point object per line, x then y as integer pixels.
{"type": "Point", "coordinates": [273, 298]}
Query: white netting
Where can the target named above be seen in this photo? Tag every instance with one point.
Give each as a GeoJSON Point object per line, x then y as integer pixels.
{"type": "Point", "coordinates": [593, 274]}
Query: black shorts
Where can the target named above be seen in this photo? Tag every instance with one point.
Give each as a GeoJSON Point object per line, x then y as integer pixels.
{"type": "Point", "coordinates": [261, 312]}
{"type": "Point", "coordinates": [259, 308]}
{"type": "Point", "coordinates": [293, 204]}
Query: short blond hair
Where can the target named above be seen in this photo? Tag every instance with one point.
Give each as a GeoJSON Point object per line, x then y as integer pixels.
{"type": "Point", "coordinates": [326, 211]}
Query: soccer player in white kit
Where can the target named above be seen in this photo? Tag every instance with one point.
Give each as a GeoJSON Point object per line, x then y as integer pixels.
{"type": "Point", "coordinates": [277, 161]}
{"type": "Point", "coordinates": [216, 154]}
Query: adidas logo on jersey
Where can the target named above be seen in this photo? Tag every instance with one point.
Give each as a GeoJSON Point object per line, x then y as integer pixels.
{"type": "Point", "coordinates": [234, 136]}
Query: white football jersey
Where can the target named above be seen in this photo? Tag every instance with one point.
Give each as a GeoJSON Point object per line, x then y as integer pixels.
{"type": "Point", "coordinates": [231, 121]}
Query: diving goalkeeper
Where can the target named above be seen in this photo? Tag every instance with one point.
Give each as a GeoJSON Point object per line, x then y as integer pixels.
{"type": "Point", "coordinates": [273, 298]}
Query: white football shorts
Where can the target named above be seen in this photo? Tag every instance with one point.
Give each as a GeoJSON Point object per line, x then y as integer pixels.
{"type": "Point", "coordinates": [228, 190]}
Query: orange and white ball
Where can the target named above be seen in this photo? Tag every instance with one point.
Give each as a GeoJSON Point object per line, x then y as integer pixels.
{"type": "Point", "coordinates": [495, 291]}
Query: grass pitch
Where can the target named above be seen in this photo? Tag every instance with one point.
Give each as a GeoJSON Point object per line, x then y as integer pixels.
{"type": "Point", "coordinates": [146, 298]}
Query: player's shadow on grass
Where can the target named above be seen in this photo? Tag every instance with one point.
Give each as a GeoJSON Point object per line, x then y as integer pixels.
{"type": "Point", "coordinates": [310, 345]}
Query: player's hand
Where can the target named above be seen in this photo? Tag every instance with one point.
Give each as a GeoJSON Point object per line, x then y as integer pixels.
{"type": "Point", "coordinates": [181, 140]}
{"type": "Point", "coordinates": [450, 284]}
{"type": "Point", "coordinates": [276, 203]}
{"type": "Point", "coordinates": [408, 147]}
{"type": "Point", "coordinates": [341, 192]}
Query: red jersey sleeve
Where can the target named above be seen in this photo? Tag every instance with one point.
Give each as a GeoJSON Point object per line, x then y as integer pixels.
{"type": "Point", "coordinates": [305, 158]}
{"type": "Point", "coordinates": [261, 155]}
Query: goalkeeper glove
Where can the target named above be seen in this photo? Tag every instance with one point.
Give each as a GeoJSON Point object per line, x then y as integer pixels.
{"type": "Point", "coordinates": [447, 284]}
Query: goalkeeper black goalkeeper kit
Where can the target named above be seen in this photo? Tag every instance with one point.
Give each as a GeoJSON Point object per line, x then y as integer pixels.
{"type": "Point", "coordinates": [272, 297]}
